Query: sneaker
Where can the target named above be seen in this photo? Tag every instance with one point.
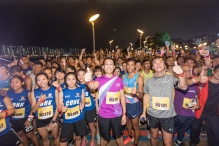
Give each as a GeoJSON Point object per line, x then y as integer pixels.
{"type": "Point", "coordinates": [92, 143]}
{"type": "Point", "coordinates": [149, 135]}
{"type": "Point", "coordinates": [84, 142]}
{"type": "Point", "coordinates": [132, 139]}
{"type": "Point", "coordinates": [127, 140]}
{"type": "Point", "coordinates": [98, 139]}
{"type": "Point", "coordinates": [179, 144]}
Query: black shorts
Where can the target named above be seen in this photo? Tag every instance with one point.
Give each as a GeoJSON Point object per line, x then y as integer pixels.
{"type": "Point", "coordinates": [68, 129]}
{"type": "Point", "coordinates": [166, 123]}
{"type": "Point", "coordinates": [18, 125]}
{"type": "Point", "coordinates": [105, 125]}
{"type": "Point", "coordinates": [90, 116]}
{"type": "Point", "coordinates": [10, 139]}
{"type": "Point", "coordinates": [133, 110]}
{"type": "Point", "coordinates": [43, 123]}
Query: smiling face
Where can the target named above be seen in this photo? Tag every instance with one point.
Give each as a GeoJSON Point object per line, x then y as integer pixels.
{"type": "Point", "coordinates": [59, 75]}
{"type": "Point", "coordinates": [16, 84]}
{"type": "Point", "coordinates": [42, 81]}
{"type": "Point", "coordinates": [81, 76]}
{"type": "Point", "coordinates": [131, 66]}
{"type": "Point", "coordinates": [108, 66]}
{"type": "Point", "coordinates": [158, 64]}
{"type": "Point", "coordinates": [71, 81]}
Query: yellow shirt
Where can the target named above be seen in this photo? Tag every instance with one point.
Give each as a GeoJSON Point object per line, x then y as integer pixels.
{"type": "Point", "coordinates": [145, 76]}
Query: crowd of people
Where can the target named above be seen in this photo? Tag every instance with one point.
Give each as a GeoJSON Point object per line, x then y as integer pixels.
{"type": "Point", "coordinates": [105, 92]}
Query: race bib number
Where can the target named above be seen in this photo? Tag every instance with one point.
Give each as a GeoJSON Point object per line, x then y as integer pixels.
{"type": "Point", "coordinates": [87, 102]}
{"type": "Point", "coordinates": [45, 112]}
{"type": "Point", "coordinates": [161, 103]}
{"type": "Point", "coordinates": [19, 113]}
{"type": "Point", "coordinates": [72, 112]}
{"type": "Point", "coordinates": [188, 103]}
{"type": "Point", "coordinates": [2, 125]}
{"type": "Point", "coordinates": [112, 97]}
{"type": "Point", "coordinates": [128, 92]}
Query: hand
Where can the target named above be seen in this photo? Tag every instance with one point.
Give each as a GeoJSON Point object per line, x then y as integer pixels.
{"type": "Point", "coordinates": [134, 89]}
{"type": "Point", "coordinates": [177, 69]}
{"type": "Point", "coordinates": [27, 123]}
{"type": "Point", "coordinates": [82, 106]}
{"type": "Point", "coordinates": [143, 116]}
{"type": "Point", "coordinates": [88, 75]}
{"type": "Point", "coordinates": [63, 108]}
{"type": "Point", "coordinates": [202, 78]}
{"type": "Point", "coordinates": [195, 107]}
{"type": "Point", "coordinates": [43, 97]}
{"type": "Point", "coordinates": [2, 114]}
{"type": "Point", "coordinates": [173, 48]}
{"type": "Point", "coordinates": [83, 50]}
{"type": "Point", "coordinates": [123, 122]}
{"type": "Point", "coordinates": [162, 51]}
{"type": "Point", "coordinates": [51, 126]}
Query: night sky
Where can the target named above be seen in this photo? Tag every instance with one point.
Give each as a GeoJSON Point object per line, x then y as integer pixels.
{"type": "Point", "coordinates": [62, 23]}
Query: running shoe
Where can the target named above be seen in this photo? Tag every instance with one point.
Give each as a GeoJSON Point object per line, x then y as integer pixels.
{"type": "Point", "coordinates": [92, 143]}
{"type": "Point", "coordinates": [127, 140]}
{"type": "Point", "coordinates": [98, 139]}
{"type": "Point", "coordinates": [84, 142]}
{"type": "Point", "coordinates": [179, 144]}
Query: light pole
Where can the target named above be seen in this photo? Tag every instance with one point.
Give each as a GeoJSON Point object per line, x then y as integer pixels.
{"type": "Point", "coordinates": [141, 32]}
{"type": "Point", "coordinates": [110, 42]}
{"type": "Point", "coordinates": [92, 19]}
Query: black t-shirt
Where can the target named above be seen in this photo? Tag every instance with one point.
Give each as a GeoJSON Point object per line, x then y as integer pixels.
{"type": "Point", "coordinates": [211, 105]}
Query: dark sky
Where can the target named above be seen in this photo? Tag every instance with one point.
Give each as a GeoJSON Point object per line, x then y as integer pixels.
{"type": "Point", "coordinates": [62, 23]}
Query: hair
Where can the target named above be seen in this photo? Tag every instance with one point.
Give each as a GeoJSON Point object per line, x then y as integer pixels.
{"type": "Point", "coordinates": [41, 58]}
{"type": "Point", "coordinates": [216, 67]}
{"type": "Point", "coordinates": [17, 77]}
{"type": "Point", "coordinates": [131, 59]}
{"type": "Point", "coordinates": [98, 68]}
{"type": "Point", "coordinates": [157, 57]}
{"type": "Point", "coordinates": [71, 67]}
{"type": "Point", "coordinates": [60, 70]}
{"type": "Point", "coordinates": [179, 57]}
{"type": "Point", "coordinates": [15, 68]}
{"type": "Point", "coordinates": [47, 68]}
{"type": "Point", "coordinates": [24, 56]}
{"type": "Point", "coordinates": [72, 57]}
{"type": "Point", "coordinates": [88, 57]}
{"type": "Point", "coordinates": [109, 58]}
{"type": "Point", "coordinates": [53, 68]}
{"type": "Point", "coordinates": [146, 60]}
{"type": "Point", "coordinates": [42, 73]}
{"type": "Point", "coordinates": [3, 65]}
{"type": "Point", "coordinates": [117, 68]}
{"type": "Point", "coordinates": [119, 58]}
{"type": "Point", "coordinates": [169, 57]}
{"type": "Point", "coordinates": [70, 73]}
{"type": "Point", "coordinates": [38, 63]}
{"type": "Point", "coordinates": [48, 61]}
{"type": "Point", "coordinates": [56, 64]}
{"type": "Point", "coordinates": [189, 58]}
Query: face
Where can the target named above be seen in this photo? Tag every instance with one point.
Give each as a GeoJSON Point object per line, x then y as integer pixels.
{"type": "Point", "coordinates": [55, 65]}
{"type": "Point", "coordinates": [37, 69]}
{"type": "Point", "coordinates": [89, 61]}
{"type": "Point", "coordinates": [71, 81]}
{"type": "Point", "coordinates": [158, 65]}
{"type": "Point", "coordinates": [84, 60]}
{"type": "Point", "coordinates": [69, 70]}
{"type": "Point", "coordinates": [16, 84]}
{"type": "Point", "coordinates": [216, 74]}
{"type": "Point", "coordinates": [70, 60]}
{"type": "Point", "coordinates": [42, 81]}
{"type": "Point", "coordinates": [138, 66]}
{"type": "Point", "coordinates": [147, 65]}
{"type": "Point", "coordinates": [25, 60]}
{"type": "Point", "coordinates": [98, 73]}
{"type": "Point", "coordinates": [117, 72]}
{"type": "Point", "coordinates": [119, 61]}
{"type": "Point", "coordinates": [170, 61]}
{"type": "Point", "coordinates": [130, 66]}
{"type": "Point", "coordinates": [191, 63]}
{"type": "Point", "coordinates": [3, 71]}
{"type": "Point", "coordinates": [16, 74]}
{"type": "Point", "coordinates": [180, 61]}
{"type": "Point", "coordinates": [43, 62]}
{"type": "Point", "coordinates": [187, 72]}
{"type": "Point", "coordinates": [81, 76]}
{"type": "Point", "coordinates": [215, 62]}
{"type": "Point", "coordinates": [109, 66]}
{"type": "Point", "coordinates": [124, 66]}
{"type": "Point", "coordinates": [48, 64]}
{"type": "Point", "coordinates": [49, 73]}
{"type": "Point", "coordinates": [59, 75]}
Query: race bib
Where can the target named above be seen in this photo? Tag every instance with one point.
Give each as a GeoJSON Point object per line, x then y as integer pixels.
{"type": "Point", "coordinates": [45, 112]}
{"type": "Point", "coordinates": [19, 113]}
{"type": "Point", "coordinates": [87, 102]}
{"type": "Point", "coordinates": [112, 97]}
{"type": "Point", "coordinates": [128, 92]}
{"type": "Point", "coordinates": [188, 103]}
{"type": "Point", "coordinates": [161, 103]}
{"type": "Point", "coordinates": [2, 125]}
{"type": "Point", "coordinates": [72, 112]}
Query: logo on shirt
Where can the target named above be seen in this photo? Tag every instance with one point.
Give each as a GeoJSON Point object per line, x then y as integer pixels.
{"type": "Point", "coordinates": [193, 91]}
{"type": "Point", "coordinates": [1, 104]}
{"type": "Point", "coordinates": [22, 98]}
{"type": "Point", "coordinates": [77, 95]}
{"type": "Point", "coordinates": [67, 96]}
{"type": "Point", "coordinates": [11, 98]}
{"type": "Point", "coordinates": [50, 95]}
{"type": "Point", "coordinates": [118, 85]}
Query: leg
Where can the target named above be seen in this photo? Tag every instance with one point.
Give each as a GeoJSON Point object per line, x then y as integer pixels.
{"type": "Point", "coordinates": [129, 126]}
{"type": "Point", "coordinates": [33, 138]}
{"type": "Point", "coordinates": [135, 124]}
{"type": "Point", "coordinates": [43, 132]}
{"type": "Point", "coordinates": [195, 131]}
{"type": "Point", "coordinates": [104, 127]}
{"type": "Point", "coordinates": [23, 138]}
{"type": "Point", "coordinates": [119, 141]}
{"type": "Point", "coordinates": [212, 130]}
{"type": "Point", "coordinates": [77, 140]}
{"type": "Point", "coordinates": [167, 138]}
{"type": "Point", "coordinates": [55, 134]}
{"type": "Point", "coordinates": [93, 130]}
{"type": "Point", "coordinates": [154, 136]}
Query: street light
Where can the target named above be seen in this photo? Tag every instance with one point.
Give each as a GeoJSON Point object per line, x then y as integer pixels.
{"type": "Point", "coordinates": [131, 44]}
{"type": "Point", "coordinates": [117, 47]}
{"type": "Point", "coordinates": [110, 42]}
{"type": "Point", "coordinates": [92, 19]}
{"type": "Point", "coordinates": [141, 32]}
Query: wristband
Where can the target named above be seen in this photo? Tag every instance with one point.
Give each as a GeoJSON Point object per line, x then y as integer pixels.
{"type": "Point", "coordinates": [40, 100]}
{"type": "Point", "coordinates": [124, 113]}
{"type": "Point", "coordinates": [6, 113]}
{"type": "Point", "coordinates": [181, 75]}
{"type": "Point", "coordinates": [31, 116]}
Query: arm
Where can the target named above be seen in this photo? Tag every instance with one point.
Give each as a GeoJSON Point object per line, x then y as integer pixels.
{"type": "Point", "coordinates": [28, 84]}
{"type": "Point", "coordinates": [36, 104]}
{"type": "Point", "coordinates": [182, 83]}
{"type": "Point", "coordinates": [93, 85]}
{"type": "Point", "coordinates": [140, 82]}
{"type": "Point", "coordinates": [9, 106]}
{"type": "Point", "coordinates": [80, 59]}
{"type": "Point", "coordinates": [123, 103]}
{"type": "Point", "coordinates": [57, 105]}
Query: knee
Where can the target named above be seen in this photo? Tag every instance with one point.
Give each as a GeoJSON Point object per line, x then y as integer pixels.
{"type": "Point", "coordinates": [136, 127]}
{"type": "Point", "coordinates": [77, 138]}
{"type": "Point", "coordinates": [30, 135]}
{"type": "Point", "coordinates": [44, 138]}
{"type": "Point", "coordinates": [154, 135]}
